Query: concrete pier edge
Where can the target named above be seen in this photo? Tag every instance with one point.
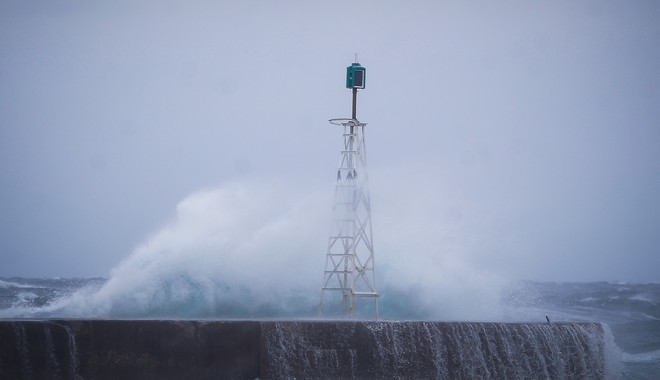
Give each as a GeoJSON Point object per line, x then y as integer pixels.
{"type": "Point", "coordinates": [272, 349]}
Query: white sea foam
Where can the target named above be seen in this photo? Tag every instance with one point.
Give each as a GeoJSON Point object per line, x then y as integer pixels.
{"type": "Point", "coordinates": [26, 296]}
{"type": "Point", "coordinates": [588, 299]}
{"type": "Point", "coordinates": [643, 297]}
{"type": "Point", "coordinates": [651, 356]}
{"type": "Point", "coordinates": [9, 284]}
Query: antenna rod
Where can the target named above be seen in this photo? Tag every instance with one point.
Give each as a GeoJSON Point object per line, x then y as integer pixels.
{"type": "Point", "coordinates": [354, 114]}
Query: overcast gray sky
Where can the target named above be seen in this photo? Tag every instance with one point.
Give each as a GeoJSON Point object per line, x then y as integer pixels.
{"type": "Point", "coordinates": [524, 135]}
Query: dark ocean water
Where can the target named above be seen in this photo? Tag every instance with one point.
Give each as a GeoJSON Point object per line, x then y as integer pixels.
{"type": "Point", "coordinates": [632, 311]}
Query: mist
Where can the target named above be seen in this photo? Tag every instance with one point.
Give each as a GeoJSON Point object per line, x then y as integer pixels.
{"type": "Point", "coordinates": [153, 142]}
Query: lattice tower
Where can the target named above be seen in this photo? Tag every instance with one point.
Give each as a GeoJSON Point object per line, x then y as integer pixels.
{"type": "Point", "coordinates": [349, 268]}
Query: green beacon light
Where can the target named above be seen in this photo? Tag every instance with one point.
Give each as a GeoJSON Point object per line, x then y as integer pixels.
{"type": "Point", "coordinates": [356, 76]}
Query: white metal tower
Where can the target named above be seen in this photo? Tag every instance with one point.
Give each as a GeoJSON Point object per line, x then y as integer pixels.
{"type": "Point", "coordinates": [349, 268]}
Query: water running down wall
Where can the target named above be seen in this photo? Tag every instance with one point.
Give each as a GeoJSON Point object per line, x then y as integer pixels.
{"type": "Point", "coordinates": [141, 349]}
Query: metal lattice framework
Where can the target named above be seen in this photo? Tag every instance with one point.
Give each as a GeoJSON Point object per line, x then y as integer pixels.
{"type": "Point", "coordinates": [349, 268]}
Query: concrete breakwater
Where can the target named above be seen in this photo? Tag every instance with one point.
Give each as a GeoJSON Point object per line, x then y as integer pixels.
{"type": "Point", "coordinates": [169, 349]}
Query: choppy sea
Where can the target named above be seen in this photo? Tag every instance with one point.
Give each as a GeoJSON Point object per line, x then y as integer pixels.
{"type": "Point", "coordinates": [631, 310]}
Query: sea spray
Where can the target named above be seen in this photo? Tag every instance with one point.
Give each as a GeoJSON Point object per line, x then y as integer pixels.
{"type": "Point", "coordinates": [612, 353]}
{"type": "Point", "coordinates": [255, 249]}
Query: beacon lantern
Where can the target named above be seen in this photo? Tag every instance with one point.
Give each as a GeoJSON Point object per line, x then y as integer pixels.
{"type": "Point", "coordinates": [356, 76]}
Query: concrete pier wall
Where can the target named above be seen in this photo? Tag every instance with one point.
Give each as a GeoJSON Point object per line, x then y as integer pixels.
{"type": "Point", "coordinates": [166, 349]}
